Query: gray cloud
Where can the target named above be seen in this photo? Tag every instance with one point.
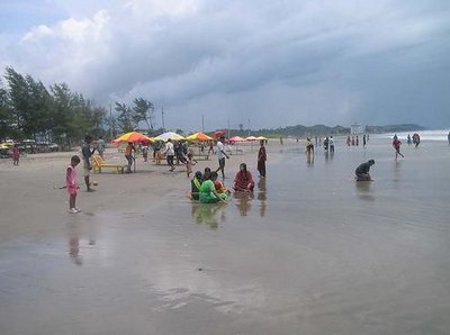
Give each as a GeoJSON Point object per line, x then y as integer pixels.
{"type": "Point", "coordinates": [264, 63]}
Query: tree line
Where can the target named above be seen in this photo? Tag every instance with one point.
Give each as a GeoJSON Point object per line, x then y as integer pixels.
{"type": "Point", "coordinates": [30, 110]}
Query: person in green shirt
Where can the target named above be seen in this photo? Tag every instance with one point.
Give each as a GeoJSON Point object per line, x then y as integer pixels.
{"type": "Point", "coordinates": [208, 193]}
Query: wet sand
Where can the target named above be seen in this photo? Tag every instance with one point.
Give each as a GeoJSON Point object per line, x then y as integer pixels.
{"type": "Point", "coordinates": [310, 252]}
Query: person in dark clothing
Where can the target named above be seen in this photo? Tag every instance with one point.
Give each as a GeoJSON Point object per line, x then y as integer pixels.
{"type": "Point", "coordinates": [87, 153]}
{"type": "Point", "coordinates": [362, 171]}
{"type": "Point", "coordinates": [196, 182]}
{"type": "Point", "coordinates": [262, 157]}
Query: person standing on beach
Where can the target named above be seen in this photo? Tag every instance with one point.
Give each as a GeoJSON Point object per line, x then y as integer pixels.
{"type": "Point", "coordinates": [364, 141]}
{"type": "Point", "coordinates": [87, 153]}
{"type": "Point", "coordinates": [357, 140]}
{"type": "Point", "coordinates": [362, 171]}
{"type": "Point", "coordinates": [15, 155]}
{"type": "Point", "coordinates": [221, 155]}
{"type": "Point", "coordinates": [416, 139]}
{"type": "Point", "coordinates": [396, 144]}
{"type": "Point", "coordinates": [448, 137]}
{"type": "Point", "coordinates": [170, 152]}
{"type": "Point", "coordinates": [101, 146]}
{"type": "Point", "coordinates": [331, 143]}
{"type": "Point", "coordinates": [262, 157]}
{"type": "Point", "coordinates": [326, 144]}
{"type": "Point", "coordinates": [72, 184]}
{"type": "Point", "coordinates": [129, 150]}
{"type": "Point", "coordinates": [211, 147]}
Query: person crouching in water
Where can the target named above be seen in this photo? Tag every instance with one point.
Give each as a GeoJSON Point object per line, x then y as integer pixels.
{"type": "Point", "coordinates": [196, 182]}
{"type": "Point", "coordinates": [243, 182]}
{"type": "Point", "coordinates": [362, 171]}
{"type": "Point", "coordinates": [208, 193]}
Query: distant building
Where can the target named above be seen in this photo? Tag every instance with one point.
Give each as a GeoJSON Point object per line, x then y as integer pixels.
{"type": "Point", "coordinates": [357, 129]}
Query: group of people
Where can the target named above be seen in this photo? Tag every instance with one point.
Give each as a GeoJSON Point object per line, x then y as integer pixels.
{"type": "Point", "coordinates": [354, 140]}
{"type": "Point", "coordinates": [207, 189]}
{"type": "Point", "coordinates": [415, 139]}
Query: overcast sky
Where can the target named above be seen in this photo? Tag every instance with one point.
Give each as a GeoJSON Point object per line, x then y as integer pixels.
{"type": "Point", "coordinates": [261, 63]}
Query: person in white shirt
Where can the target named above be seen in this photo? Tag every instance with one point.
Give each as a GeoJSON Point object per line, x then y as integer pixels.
{"type": "Point", "coordinates": [221, 154]}
{"type": "Point", "coordinates": [170, 152]}
{"type": "Point", "coordinates": [331, 143]}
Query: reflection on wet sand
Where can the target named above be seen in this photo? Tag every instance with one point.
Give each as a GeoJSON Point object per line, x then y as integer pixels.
{"type": "Point", "coordinates": [210, 214]}
{"type": "Point", "coordinates": [364, 190]}
{"type": "Point", "coordinates": [243, 202]}
{"type": "Point", "coordinates": [262, 196]}
{"type": "Point", "coordinates": [74, 231]}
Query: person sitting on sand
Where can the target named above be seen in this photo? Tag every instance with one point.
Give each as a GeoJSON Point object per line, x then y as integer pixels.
{"type": "Point", "coordinates": [243, 182]}
{"type": "Point", "coordinates": [221, 189]}
{"type": "Point", "coordinates": [196, 183]}
{"type": "Point", "coordinates": [362, 171]}
{"type": "Point", "coordinates": [208, 193]}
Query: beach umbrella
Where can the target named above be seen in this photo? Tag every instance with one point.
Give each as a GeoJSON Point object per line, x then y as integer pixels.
{"type": "Point", "coordinates": [236, 139]}
{"type": "Point", "coordinates": [133, 137]}
{"type": "Point", "coordinates": [261, 138]}
{"type": "Point", "coordinates": [251, 138]}
{"type": "Point", "coordinates": [199, 137]}
{"type": "Point", "coordinates": [169, 136]}
{"type": "Point", "coordinates": [219, 133]}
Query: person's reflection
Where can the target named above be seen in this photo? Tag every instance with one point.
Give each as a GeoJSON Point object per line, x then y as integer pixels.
{"type": "Point", "coordinates": [73, 237]}
{"type": "Point", "coordinates": [309, 160]}
{"type": "Point", "coordinates": [262, 196]}
{"type": "Point", "coordinates": [74, 229]}
{"type": "Point", "coordinates": [209, 213]}
{"type": "Point", "coordinates": [243, 202]}
{"type": "Point", "coordinates": [364, 190]}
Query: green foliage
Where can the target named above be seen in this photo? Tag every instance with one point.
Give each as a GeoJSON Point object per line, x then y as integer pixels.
{"type": "Point", "coordinates": [126, 119]}
{"type": "Point", "coordinates": [143, 111]}
{"type": "Point", "coordinates": [29, 110]}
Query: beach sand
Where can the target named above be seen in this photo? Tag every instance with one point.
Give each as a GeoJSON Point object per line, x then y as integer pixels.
{"type": "Point", "coordinates": [310, 252]}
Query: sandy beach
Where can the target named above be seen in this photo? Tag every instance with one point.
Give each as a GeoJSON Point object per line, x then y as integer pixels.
{"type": "Point", "coordinates": [309, 252]}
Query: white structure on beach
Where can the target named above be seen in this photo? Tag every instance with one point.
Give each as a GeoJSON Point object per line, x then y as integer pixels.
{"type": "Point", "coordinates": [357, 129]}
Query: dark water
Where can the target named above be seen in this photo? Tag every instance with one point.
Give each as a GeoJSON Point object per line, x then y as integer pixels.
{"type": "Point", "coordinates": [310, 252]}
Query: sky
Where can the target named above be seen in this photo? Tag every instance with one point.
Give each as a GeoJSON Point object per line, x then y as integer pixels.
{"type": "Point", "coordinates": [259, 63]}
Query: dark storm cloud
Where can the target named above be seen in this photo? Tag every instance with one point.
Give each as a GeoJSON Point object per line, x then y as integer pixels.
{"type": "Point", "coordinates": [262, 63]}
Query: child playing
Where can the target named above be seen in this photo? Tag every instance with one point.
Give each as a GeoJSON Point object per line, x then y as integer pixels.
{"type": "Point", "coordinates": [189, 161]}
{"type": "Point", "coordinates": [71, 184]}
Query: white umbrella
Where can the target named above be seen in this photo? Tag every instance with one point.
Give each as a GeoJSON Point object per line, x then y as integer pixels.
{"type": "Point", "coordinates": [169, 135]}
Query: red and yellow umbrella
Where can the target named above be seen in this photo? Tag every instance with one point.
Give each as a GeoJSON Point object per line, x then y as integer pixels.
{"type": "Point", "coordinates": [199, 137]}
{"type": "Point", "coordinates": [133, 137]}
